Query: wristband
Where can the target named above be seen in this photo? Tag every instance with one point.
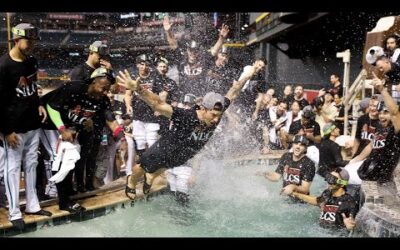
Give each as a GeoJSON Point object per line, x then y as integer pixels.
{"type": "Point", "coordinates": [61, 128]}
{"type": "Point", "coordinates": [117, 131]}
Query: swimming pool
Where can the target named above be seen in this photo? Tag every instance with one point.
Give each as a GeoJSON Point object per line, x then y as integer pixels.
{"type": "Point", "coordinates": [227, 201]}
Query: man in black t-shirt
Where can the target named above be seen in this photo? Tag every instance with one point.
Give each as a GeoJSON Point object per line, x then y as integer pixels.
{"type": "Point", "coordinates": [190, 132]}
{"type": "Point", "coordinates": [71, 109]}
{"type": "Point", "coordinates": [338, 208]}
{"type": "Point", "coordinates": [381, 154]}
{"type": "Point", "coordinates": [221, 73]}
{"type": "Point", "coordinates": [366, 127]}
{"type": "Point", "coordinates": [308, 127]}
{"type": "Point", "coordinates": [193, 60]}
{"type": "Point", "coordinates": [90, 140]}
{"type": "Point", "coordinates": [299, 96]}
{"type": "Point", "coordinates": [98, 57]}
{"type": "Point", "coordinates": [22, 116]}
{"type": "Point", "coordinates": [296, 169]}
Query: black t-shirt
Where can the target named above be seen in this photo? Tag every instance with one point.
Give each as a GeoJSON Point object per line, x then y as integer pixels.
{"type": "Point", "coordinates": [81, 72]}
{"type": "Point", "coordinates": [168, 85]}
{"type": "Point", "coordinates": [220, 79]}
{"type": "Point", "coordinates": [192, 77]}
{"type": "Point", "coordinates": [142, 111]}
{"type": "Point", "coordinates": [336, 90]}
{"type": "Point", "coordinates": [303, 102]}
{"type": "Point", "coordinates": [333, 207]}
{"type": "Point", "coordinates": [384, 155]}
{"type": "Point", "coordinates": [289, 100]}
{"type": "Point", "coordinates": [185, 139]}
{"type": "Point", "coordinates": [76, 105]}
{"type": "Point", "coordinates": [366, 129]}
{"type": "Point", "coordinates": [294, 172]}
{"type": "Point", "coordinates": [311, 127]}
{"type": "Point", "coordinates": [330, 157]}
{"type": "Point", "coordinates": [18, 95]}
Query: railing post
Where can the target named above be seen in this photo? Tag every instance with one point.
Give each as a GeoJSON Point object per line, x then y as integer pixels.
{"type": "Point", "coordinates": [346, 80]}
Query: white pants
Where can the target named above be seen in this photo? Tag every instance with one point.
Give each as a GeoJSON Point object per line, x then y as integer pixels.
{"type": "Point", "coordinates": [352, 168]}
{"type": "Point", "coordinates": [313, 154]}
{"type": "Point", "coordinates": [112, 150]}
{"type": "Point", "coordinates": [25, 153]}
{"type": "Point", "coordinates": [178, 178]}
{"type": "Point", "coordinates": [2, 163]}
{"type": "Point", "coordinates": [145, 133]}
{"type": "Point", "coordinates": [131, 155]}
{"type": "Point", "coordinates": [49, 140]}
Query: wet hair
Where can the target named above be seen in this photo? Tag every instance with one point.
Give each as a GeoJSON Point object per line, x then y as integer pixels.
{"type": "Point", "coordinates": [260, 59]}
{"type": "Point", "coordinates": [395, 37]}
{"type": "Point", "coordinates": [336, 75]}
{"type": "Point", "coordinates": [382, 58]}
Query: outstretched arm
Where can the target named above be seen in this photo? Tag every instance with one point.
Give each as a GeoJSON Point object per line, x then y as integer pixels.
{"type": "Point", "coordinates": [173, 44]}
{"type": "Point", "coordinates": [389, 102]}
{"type": "Point", "coordinates": [153, 100]}
{"type": "Point", "coordinates": [234, 91]}
{"type": "Point", "coordinates": [307, 198]}
{"type": "Point", "coordinates": [221, 39]}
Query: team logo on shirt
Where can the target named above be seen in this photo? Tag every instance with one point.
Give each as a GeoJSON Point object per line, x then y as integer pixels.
{"type": "Point", "coordinates": [200, 135]}
{"type": "Point", "coordinates": [79, 115]}
{"type": "Point", "coordinates": [291, 175]}
{"type": "Point", "coordinates": [195, 71]}
{"type": "Point", "coordinates": [379, 140]}
{"type": "Point", "coordinates": [26, 86]}
{"type": "Point", "coordinates": [367, 132]}
{"type": "Point", "coordinates": [328, 214]}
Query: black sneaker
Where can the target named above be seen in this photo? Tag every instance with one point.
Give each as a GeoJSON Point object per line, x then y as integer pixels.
{"type": "Point", "coordinates": [18, 224]}
{"type": "Point", "coordinates": [75, 208]}
{"type": "Point", "coordinates": [41, 212]}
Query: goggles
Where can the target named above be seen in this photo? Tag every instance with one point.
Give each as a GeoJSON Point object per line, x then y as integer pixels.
{"type": "Point", "coordinates": [333, 180]}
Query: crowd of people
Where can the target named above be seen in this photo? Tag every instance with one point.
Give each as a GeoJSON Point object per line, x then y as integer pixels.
{"type": "Point", "coordinates": [79, 137]}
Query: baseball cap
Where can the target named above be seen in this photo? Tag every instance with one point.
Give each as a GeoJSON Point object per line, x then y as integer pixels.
{"type": "Point", "coordinates": [342, 180]}
{"type": "Point", "coordinates": [193, 45]}
{"type": "Point", "coordinates": [344, 174]}
{"type": "Point", "coordinates": [99, 47]}
{"type": "Point", "coordinates": [161, 59]}
{"type": "Point", "coordinates": [308, 112]}
{"type": "Point", "coordinates": [382, 107]}
{"type": "Point", "coordinates": [373, 53]}
{"type": "Point", "coordinates": [143, 58]}
{"type": "Point", "coordinates": [25, 30]}
{"type": "Point", "coordinates": [300, 139]}
{"type": "Point", "coordinates": [212, 98]}
{"type": "Point", "coordinates": [328, 128]}
{"type": "Point", "coordinates": [189, 98]}
{"type": "Point", "coordinates": [103, 72]}
{"type": "Point", "coordinates": [364, 103]}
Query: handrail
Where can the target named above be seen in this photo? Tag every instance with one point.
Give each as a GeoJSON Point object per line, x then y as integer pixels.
{"type": "Point", "coordinates": [355, 88]}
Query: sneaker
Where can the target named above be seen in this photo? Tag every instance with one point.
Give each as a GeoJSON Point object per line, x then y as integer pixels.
{"type": "Point", "coordinates": [18, 224]}
{"type": "Point", "coordinates": [40, 212]}
{"type": "Point", "coordinates": [51, 191]}
{"type": "Point", "coordinates": [75, 208]}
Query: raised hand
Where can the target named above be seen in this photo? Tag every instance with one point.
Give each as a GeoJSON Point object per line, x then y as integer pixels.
{"type": "Point", "coordinates": [166, 23]}
{"type": "Point", "coordinates": [224, 31]}
{"type": "Point", "coordinates": [349, 222]}
{"type": "Point", "coordinates": [124, 79]}
{"type": "Point", "coordinates": [377, 83]}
